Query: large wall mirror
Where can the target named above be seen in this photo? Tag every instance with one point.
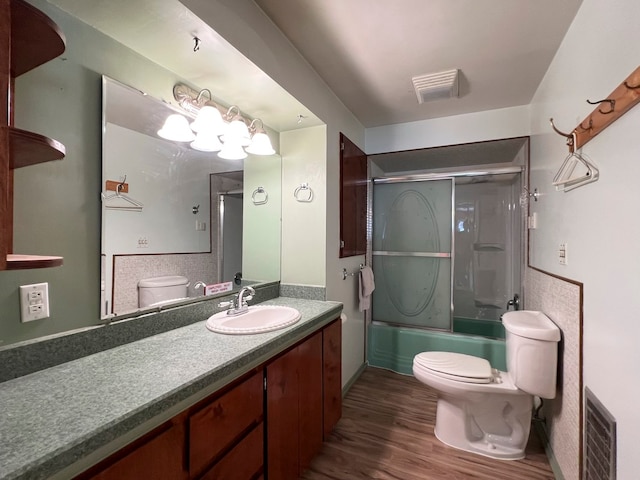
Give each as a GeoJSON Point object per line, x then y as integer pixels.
{"type": "Point", "coordinates": [172, 215]}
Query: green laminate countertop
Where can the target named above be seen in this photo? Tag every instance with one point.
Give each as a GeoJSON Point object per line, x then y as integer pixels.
{"type": "Point", "coordinates": [51, 419]}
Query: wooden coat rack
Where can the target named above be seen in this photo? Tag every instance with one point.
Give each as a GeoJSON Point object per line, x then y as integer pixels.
{"type": "Point", "coordinates": [619, 102]}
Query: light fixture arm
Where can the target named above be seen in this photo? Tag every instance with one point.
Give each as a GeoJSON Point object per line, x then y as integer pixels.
{"type": "Point", "coordinates": [227, 116]}
{"type": "Point", "coordinates": [253, 128]}
{"type": "Point", "coordinates": [199, 100]}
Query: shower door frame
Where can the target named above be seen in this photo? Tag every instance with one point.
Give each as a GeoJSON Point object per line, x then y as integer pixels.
{"type": "Point", "coordinates": [421, 177]}
{"type": "Point", "coordinates": [220, 233]}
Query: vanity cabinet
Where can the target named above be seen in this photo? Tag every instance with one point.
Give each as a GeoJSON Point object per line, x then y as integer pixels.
{"type": "Point", "coordinates": [28, 38]}
{"type": "Point", "coordinates": [282, 409]}
{"type": "Point", "coordinates": [294, 409]}
{"type": "Point", "coordinates": [303, 401]}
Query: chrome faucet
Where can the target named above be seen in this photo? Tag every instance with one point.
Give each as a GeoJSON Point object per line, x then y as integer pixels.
{"type": "Point", "coordinates": [239, 305]}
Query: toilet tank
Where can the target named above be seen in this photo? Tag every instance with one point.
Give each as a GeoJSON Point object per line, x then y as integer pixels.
{"type": "Point", "coordinates": [532, 351]}
{"type": "Point", "coordinates": [156, 290]}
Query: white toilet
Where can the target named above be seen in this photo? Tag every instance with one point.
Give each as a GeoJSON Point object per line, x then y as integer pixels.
{"type": "Point", "coordinates": [486, 411]}
{"type": "Point", "coordinates": [158, 290]}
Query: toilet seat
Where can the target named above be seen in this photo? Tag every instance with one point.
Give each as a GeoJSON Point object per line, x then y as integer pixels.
{"type": "Point", "coordinates": [456, 366]}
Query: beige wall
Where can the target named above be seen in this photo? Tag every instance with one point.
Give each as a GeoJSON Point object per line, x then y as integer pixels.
{"type": "Point", "coordinates": [597, 221]}
{"type": "Point", "coordinates": [304, 154]}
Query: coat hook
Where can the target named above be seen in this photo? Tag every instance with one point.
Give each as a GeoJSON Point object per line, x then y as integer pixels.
{"type": "Point", "coordinates": [196, 44]}
{"type": "Point", "coordinates": [586, 129]}
{"type": "Point", "coordinates": [559, 132]}
{"type": "Point", "coordinates": [612, 104]}
{"type": "Point", "coordinates": [630, 87]}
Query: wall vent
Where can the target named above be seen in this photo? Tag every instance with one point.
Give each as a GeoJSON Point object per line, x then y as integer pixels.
{"type": "Point", "coordinates": [599, 440]}
{"type": "Point", "coordinates": [436, 86]}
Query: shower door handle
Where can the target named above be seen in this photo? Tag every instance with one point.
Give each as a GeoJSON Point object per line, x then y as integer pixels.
{"type": "Point", "coordinates": [514, 302]}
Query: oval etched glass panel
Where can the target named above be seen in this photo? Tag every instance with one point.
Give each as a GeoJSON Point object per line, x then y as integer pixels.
{"type": "Point", "coordinates": [411, 222]}
{"type": "Point", "coordinates": [410, 226]}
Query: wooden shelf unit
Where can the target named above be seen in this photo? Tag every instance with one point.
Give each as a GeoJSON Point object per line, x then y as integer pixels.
{"type": "Point", "coordinates": [28, 38]}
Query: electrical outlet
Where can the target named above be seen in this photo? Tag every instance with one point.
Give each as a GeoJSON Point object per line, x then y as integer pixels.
{"type": "Point", "coordinates": [143, 242]}
{"type": "Point", "coordinates": [34, 302]}
{"type": "Point", "coordinates": [563, 254]}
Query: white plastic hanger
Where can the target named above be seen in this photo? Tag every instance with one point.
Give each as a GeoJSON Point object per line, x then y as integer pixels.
{"type": "Point", "coordinates": [133, 205]}
{"type": "Point", "coordinates": [564, 179]}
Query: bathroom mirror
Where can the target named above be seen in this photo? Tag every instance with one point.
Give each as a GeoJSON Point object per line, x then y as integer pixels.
{"type": "Point", "coordinates": [170, 210]}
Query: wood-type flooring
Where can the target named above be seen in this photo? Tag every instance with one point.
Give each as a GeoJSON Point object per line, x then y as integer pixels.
{"type": "Point", "coordinates": [386, 432]}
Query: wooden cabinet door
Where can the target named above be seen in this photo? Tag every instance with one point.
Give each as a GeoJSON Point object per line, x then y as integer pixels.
{"type": "Point", "coordinates": [310, 427]}
{"type": "Point", "coordinates": [353, 199]}
{"type": "Point", "coordinates": [282, 417]}
{"type": "Point", "coordinates": [332, 378]}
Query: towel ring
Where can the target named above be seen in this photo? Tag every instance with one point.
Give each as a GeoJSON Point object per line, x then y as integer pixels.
{"type": "Point", "coordinates": [304, 187]}
{"type": "Point", "coordinates": [259, 191]}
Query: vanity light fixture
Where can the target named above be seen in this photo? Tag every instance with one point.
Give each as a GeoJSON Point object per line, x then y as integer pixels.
{"type": "Point", "coordinates": [225, 132]}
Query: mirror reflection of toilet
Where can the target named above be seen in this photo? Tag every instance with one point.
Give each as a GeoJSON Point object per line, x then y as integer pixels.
{"type": "Point", "coordinates": [486, 411]}
{"type": "Point", "coordinates": [158, 290]}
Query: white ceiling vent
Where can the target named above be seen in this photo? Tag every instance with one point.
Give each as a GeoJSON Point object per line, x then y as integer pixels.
{"type": "Point", "coordinates": [436, 86]}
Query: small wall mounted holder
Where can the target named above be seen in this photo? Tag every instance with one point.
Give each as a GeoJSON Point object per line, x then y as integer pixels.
{"type": "Point", "coordinates": [259, 196]}
{"type": "Point", "coordinates": [346, 274]}
{"type": "Point", "coordinates": [303, 193]}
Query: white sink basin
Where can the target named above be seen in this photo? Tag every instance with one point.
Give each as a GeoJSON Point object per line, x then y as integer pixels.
{"type": "Point", "coordinates": [259, 319]}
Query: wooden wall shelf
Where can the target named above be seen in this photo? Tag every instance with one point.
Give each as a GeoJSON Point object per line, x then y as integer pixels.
{"type": "Point", "coordinates": [36, 39]}
{"type": "Point", "coordinates": [23, 262]}
{"type": "Point", "coordinates": [28, 38]}
{"type": "Point", "coordinates": [29, 148]}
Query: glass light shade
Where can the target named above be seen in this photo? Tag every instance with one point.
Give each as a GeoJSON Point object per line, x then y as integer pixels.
{"type": "Point", "coordinates": [206, 142]}
{"type": "Point", "coordinates": [209, 118]}
{"type": "Point", "coordinates": [260, 145]}
{"type": "Point", "coordinates": [237, 133]}
{"type": "Point", "coordinates": [231, 151]}
{"type": "Point", "coordinates": [176, 128]}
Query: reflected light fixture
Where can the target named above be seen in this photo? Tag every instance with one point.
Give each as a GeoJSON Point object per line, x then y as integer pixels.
{"type": "Point", "coordinates": [260, 142]}
{"type": "Point", "coordinates": [227, 132]}
{"type": "Point", "coordinates": [206, 143]}
{"type": "Point", "coordinates": [176, 128]}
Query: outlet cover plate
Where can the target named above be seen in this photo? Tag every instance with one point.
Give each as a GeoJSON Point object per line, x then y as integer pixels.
{"type": "Point", "coordinates": [34, 302]}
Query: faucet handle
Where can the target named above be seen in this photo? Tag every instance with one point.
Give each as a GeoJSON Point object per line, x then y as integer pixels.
{"type": "Point", "coordinates": [246, 299]}
{"type": "Point", "coordinates": [225, 304]}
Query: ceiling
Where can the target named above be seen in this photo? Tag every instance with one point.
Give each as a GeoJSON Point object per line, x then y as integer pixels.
{"type": "Point", "coordinates": [366, 51]}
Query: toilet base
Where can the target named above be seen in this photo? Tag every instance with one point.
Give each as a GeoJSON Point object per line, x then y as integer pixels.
{"type": "Point", "coordinates": [495, 426]}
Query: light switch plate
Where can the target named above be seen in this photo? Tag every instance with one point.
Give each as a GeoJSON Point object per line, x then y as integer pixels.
{"type": "Point", "coordinates": [563, 254]}
{"type": "Point", "coordinates": [34, 302]}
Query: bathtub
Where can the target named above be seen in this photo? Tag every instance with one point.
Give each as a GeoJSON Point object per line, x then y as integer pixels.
{"type": "Point", "coordinates": [394, 347]}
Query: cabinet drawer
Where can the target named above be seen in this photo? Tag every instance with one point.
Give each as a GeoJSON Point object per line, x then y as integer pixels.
{"type": "Point", "coordinates": [244, 462]}
{"type": "Point", "coordinates": [159, 458]}
{"type": "Point", "coordinates": [219, 424]}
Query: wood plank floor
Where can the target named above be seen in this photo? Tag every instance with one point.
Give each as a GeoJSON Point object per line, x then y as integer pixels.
{"type": "Point", "coordinates": [386, 432]}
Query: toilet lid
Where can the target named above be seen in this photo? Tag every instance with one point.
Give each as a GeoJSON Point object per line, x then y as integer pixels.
{"type": "Point", "coordinates": [457, 366]}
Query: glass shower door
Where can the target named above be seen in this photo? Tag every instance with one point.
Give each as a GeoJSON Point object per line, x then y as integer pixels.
{"type": "Point", "coordinates": [411, 250]}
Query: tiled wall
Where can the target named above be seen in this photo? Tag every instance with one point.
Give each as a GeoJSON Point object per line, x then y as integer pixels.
{"type": "Point", "coordinates": [129, 269]}
{"type": "Point", "coordinates": [561, 301]}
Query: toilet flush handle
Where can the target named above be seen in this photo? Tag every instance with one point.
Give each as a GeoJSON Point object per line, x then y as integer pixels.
{"type": "Point", "coordinates": [514, 302]}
